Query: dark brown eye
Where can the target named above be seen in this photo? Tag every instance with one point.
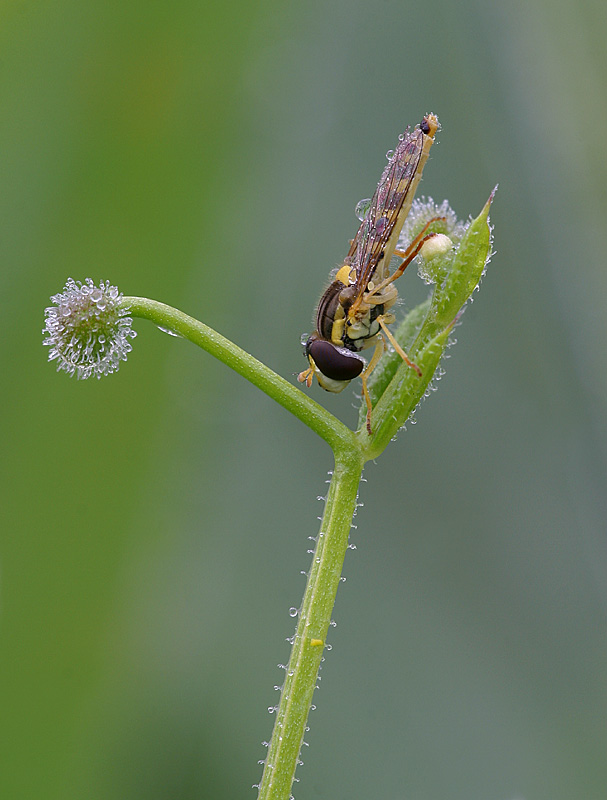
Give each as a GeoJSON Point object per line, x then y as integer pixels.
{"type": "Point", "coordinates": [336, 363]}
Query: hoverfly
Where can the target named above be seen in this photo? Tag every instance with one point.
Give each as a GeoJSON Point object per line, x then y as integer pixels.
{"type": "Point", "coordinates": [353, 313]}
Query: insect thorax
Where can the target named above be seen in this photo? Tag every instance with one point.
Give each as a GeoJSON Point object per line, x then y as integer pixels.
{"type": "Point", "coordinates": [350, 324]}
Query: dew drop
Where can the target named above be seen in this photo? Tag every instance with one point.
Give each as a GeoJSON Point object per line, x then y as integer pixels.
{"type": "Point", "coordinates": [361, 209]}
{"type": "Point", "coordinates": [390, 155]}
{"type": "Point", "coordinates": [169, 331]}
{"type": "Point", "coordinates": [292, 612]}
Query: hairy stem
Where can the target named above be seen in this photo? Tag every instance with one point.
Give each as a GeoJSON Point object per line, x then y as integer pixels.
{"type": "Point", "coordinates": [331, 544]}
{"type": "Point", "coordinates": [310, 636]}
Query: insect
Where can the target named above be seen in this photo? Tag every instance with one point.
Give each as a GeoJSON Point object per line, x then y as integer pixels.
{"type": "Point", "coordinates": [353, 313]}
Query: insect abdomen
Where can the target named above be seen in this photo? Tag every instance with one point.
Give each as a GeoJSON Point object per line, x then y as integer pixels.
{"type": "Point", "coordinates": [329, 308]}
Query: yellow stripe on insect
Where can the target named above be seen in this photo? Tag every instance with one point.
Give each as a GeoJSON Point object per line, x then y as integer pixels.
{"type": "Point", "coordinates": [343, 275]}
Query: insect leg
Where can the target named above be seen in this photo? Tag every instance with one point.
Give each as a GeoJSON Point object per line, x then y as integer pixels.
{"type": "Point", "coordinates": [306, 376]}
{"type": "Point", "coordinates": [379, 351]}
{"type": "Point", "coordinates": [409, 254]}
{"type": "Point", "coordinates": [420, 235]}
{"type": "Point", "coordinates": [397, 347]}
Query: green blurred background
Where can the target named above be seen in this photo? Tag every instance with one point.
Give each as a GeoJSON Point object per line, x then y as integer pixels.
{"type": "Point", "coordinates": [154, 524]}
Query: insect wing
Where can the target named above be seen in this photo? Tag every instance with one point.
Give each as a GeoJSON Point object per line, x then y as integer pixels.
{"type": "Point", "coordinates": [382, 216]}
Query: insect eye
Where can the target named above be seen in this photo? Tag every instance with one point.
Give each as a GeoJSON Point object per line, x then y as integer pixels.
{"type": "Point", "coordinates": [336, 363]}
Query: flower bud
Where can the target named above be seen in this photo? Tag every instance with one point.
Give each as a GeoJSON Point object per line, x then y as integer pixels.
{"type": "Point", "coordinates": [435, 259]}
{"type": "Point", "coordinates": [425, 209]}
{"type": "Point", "coordinates": [437, 245]}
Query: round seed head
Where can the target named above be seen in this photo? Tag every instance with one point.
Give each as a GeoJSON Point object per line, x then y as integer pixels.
{"type": "Point", "coordinates": [88, 329]}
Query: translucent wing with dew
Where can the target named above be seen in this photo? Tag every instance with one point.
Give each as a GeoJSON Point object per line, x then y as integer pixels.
{"type": "Point", "coordinates": [380, 227]}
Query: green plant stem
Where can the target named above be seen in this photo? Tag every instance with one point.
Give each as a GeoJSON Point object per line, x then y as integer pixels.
{"type": "Point", "coordinates": [328, 427]}
{"type": "Point", "coordinates": [313, 624]}
{"type": "Point", "coordinates": [331, 544]}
